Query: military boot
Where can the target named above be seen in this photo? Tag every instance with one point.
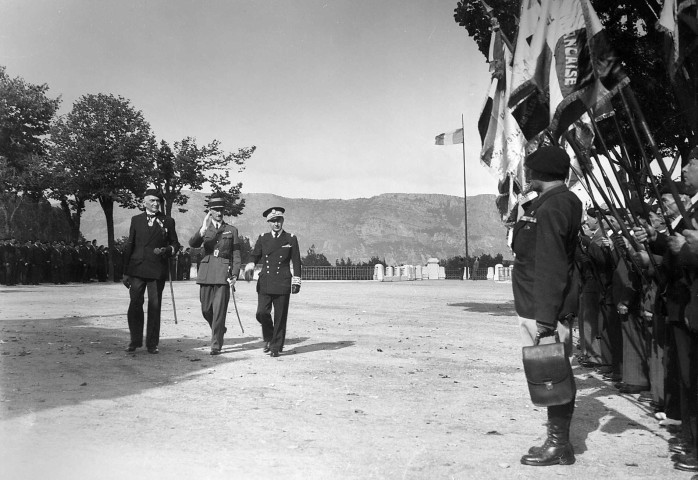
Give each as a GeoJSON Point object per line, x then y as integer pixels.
{"type": "Point", "coordinates": [557, 449]}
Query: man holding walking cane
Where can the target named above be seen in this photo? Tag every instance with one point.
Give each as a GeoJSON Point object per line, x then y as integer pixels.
{"type": "Point", "coordinates": [219, 268]}
{"type": "Point", "coordinates": [152, 240]}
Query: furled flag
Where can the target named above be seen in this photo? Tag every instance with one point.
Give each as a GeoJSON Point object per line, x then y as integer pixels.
{"type": "Point", "coordinates": [679, 23]}
{"type": "Point", "coordinates": [450, 138]}
{"type": "Point", "coordinates": [567, 67]}
{"type": "Point", "coordinates": [503, 143]}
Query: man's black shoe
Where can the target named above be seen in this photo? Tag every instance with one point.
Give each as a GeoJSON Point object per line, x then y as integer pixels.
{"type": "Point", "coordinates": [687, 465]}
{"type": "Point", "coordinates": [131, 348]}
{"type": "Point", "coordinates": [552, 455]}
{"type": "Point", "coordinates": [266, 347]}
{"type": "Point", "coordinates": [153, 350]}
{"type": "Point", "coordinates": [215, 351]}
{"type": "Point", "coordinates": [274, 353]}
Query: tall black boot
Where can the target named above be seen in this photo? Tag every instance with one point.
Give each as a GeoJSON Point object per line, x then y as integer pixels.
{"type": "Point", "coordinates": [557, 449]}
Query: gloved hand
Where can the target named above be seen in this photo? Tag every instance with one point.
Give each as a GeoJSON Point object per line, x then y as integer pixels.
{"type": "Point", "coordinates": [249, 272]}
{"type": "Point", "coordinates": [295, 284]}
{"type": "Point", "coordinates": [160, 251]}
{"type": "Point", "coordinates": [231, 282]}
{"type": "Point", "coordinates": [126, 280]}
{"type": "Point", "coordinates": [206, 223]}
{"type": "Point", "coordinates": [544, 330]}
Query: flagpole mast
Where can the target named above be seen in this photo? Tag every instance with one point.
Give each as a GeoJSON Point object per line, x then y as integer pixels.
{"type": "Point", "coordinates": [465, 195]}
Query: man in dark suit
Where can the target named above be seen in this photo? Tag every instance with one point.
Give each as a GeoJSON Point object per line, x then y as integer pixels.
{"type": "Point", "coordinates": [151, 241]}
{"type": "Point", "coordinates": [219, 268]}
{"type": "Point", "coordinates": [280, 253]}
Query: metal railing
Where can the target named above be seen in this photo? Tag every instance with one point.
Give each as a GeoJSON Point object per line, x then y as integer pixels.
{"type": "Point", "coordinates": [365, 272]}
{"type": "Point", "coordinates": [338, 273]}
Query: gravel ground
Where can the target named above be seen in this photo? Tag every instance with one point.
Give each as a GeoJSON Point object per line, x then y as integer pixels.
{"type": "Point", "coordinates": [394, 380]}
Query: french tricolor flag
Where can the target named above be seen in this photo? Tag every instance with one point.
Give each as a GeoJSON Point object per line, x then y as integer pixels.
{"type": "Point", "coordinates": [450, 138]}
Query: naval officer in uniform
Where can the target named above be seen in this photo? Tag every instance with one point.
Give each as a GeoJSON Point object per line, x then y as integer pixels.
{"type": "Point", "coordinates": [278, 253]}
{"type": "Point", "coordinates": [219, 268]}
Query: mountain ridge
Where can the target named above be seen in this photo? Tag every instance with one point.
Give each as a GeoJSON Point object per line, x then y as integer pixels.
{"type": "Point", "coordinates": [398, 227]}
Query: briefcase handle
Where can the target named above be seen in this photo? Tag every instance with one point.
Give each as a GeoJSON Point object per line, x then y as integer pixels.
{"type": "Point", "coordinates": [536, 341]}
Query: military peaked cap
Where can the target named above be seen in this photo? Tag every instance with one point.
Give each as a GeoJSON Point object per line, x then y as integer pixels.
{"type": "Point", "coordinates": [273, 212]}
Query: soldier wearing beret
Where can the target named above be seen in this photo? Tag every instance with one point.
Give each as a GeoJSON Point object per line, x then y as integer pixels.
{"type": "Point", "coordinates": [152, 240]}
{"type": "Point", "coordinates": [279, 253]}
{"type": "Point", "coordinates": [219, 268]}
{"type": "Point", "coordinates": [544, 242]}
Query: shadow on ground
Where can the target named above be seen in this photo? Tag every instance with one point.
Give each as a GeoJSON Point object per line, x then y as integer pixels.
{"type": "Point", "coordinates": [593, 414]}
{"type": "Point", "coordinates": [78, 362]}
{"type": "Point", "coordinates": [320, 346]}
{"type": "Point", "coordinates": [497, 309]}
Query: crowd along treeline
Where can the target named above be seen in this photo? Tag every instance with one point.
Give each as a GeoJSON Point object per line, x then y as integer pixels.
{"type": "Point", "coordinates": [103, 150]}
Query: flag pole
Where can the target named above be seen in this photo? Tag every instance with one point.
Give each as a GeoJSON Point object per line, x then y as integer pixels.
{"type": "Point", "coordinates": [465, 195]}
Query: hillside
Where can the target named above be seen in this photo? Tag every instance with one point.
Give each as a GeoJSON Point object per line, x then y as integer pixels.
{"type": "Point", "coordinates": [402, 228]}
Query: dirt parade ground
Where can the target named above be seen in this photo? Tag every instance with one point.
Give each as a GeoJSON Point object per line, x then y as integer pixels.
{"type": "Point", "coordinates": [393, 380]}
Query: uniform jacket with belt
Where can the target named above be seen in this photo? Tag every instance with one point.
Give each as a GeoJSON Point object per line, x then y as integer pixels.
{"type": "Point", "coordinates": [276, 256]}
{"type": "Point", "coordinates": [221, 254]}
{"type": "Point", "coordinates": [139, 255]}
{"type": "Point", "coordinates": [544, 242]}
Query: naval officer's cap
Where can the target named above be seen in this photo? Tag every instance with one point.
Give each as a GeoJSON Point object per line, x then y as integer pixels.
{"type": "Point", "coordinates": [273, 212]}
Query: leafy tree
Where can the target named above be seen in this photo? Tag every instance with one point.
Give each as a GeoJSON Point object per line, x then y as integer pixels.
{"type": "Point", "coordinates": [102, 150]}
{"type": "Point", "coordinates": [373, 261]}
{"type": "Point", "coordinates": [26, 113]}
{"type": "Point", "coordinates": [630, 29]}
{"type": "Point", "coordinates": [191, 167]}
{"type": "Point", "coordinates": [314, 259]}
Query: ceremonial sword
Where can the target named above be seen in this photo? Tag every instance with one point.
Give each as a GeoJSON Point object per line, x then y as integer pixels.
{"type": "Point", "coordinates": [232, 290]}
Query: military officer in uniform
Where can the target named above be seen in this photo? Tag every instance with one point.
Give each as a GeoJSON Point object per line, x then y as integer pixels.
{"type": "Point", "coordinates": [544, 242]}
{"type": "Point", "coordinates": [279, 253]}
{"type": "Point", "coordinates": [151, 241]}
{"type": "Point", "coordinates": [219, 268]}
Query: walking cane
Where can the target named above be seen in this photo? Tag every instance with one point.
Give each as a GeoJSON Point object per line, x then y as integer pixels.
{"type": "Point", "coordinates": [174, 309]}
{"type": "Point", "coordinates": [232, 290]}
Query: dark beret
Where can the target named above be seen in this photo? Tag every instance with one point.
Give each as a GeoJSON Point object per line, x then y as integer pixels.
{"type": "Point", "coordinates": [552, 161]}
{"type": "Point", "coordinates": [638, 206]}
{"type": "Point", "coordinates": [693, 153]}
{"type": "Point", "coordinates": [153, 192]}
{"type": "Point", "coordinates": [665, 189]}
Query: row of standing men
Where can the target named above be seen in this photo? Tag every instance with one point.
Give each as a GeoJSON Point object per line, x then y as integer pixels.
{"type": "Point", "coordinates": [638, 308]}
{"type": "Point", "coordinates": [59, 262]}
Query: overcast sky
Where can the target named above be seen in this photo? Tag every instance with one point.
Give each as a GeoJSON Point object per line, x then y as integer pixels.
{"type": "Point", "coordinates": [343, 98]}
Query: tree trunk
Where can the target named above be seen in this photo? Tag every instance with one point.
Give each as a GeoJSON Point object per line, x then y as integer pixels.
{"type": "Point", "coordinates": [73, 218]}
{"type": "Point", "coordinates": [107, 204]}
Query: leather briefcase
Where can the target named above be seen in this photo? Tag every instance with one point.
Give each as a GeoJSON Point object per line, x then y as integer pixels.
{"type": "Point", "coordinates": [548, 373]}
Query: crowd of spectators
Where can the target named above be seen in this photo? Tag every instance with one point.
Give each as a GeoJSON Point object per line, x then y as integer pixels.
{"type": "Point", "coordinates": [59, 262]}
